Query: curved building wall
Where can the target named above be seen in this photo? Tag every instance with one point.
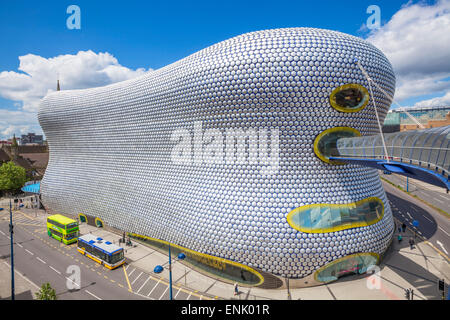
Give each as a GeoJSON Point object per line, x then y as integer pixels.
{"type": "Point", "coordinates": [214, 151]}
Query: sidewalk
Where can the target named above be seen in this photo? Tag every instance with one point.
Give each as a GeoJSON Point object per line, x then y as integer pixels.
{"type": "Point", "coordinates": [416, 183]}
{"type": "Point", "coordinates": [401, 268]}
{"type": "Point", "coordinates": [421, 191]}
{"type": "Point", "coordinates": [24, 289]}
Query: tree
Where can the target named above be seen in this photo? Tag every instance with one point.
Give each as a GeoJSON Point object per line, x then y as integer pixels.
{"type": "Point", "coordinates": [12, 177]}
{"type": "Point", "coordinates": [46, 292]}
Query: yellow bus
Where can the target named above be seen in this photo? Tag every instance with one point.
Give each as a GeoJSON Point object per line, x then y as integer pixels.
{"type": "Point", "coordinates": [62, 228]}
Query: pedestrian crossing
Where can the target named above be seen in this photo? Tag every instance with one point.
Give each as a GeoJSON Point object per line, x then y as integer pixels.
{"type": "Point", "coordinates": [156, 288]}
{"type": "Point", "coordinates": [21, 218]}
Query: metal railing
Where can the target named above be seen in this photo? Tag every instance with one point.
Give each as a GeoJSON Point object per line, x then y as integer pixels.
{"type": "Point", "coordinates": [429, 148]}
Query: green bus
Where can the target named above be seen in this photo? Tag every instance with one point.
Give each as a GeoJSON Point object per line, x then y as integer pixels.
{"type": "Point", "coordinates": [62, 228]}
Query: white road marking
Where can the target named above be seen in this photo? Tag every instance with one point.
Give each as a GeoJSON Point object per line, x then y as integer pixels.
{"type": "Point", "coordinates": [409, 215]}
{"type": "Point", "coordinates": [143, 284]}
{"type": "Point", "coordinates": [19, 245]}
{"type": "Point", "coordinates": [2, 233]}
{"type": "Point", "coordinates": [129, 275]}
{"type": "Point", "coordinates": [179, 289]}
{"type": "Point", "coordinates": [29, 252]}
{"type": "Point", "coordinates": [55, 270]}
{"type": "Point", "coordinates": [414, 209]}
{"type": "Point", "coordinates": [444, 197]}
{"type": "Point", "coordinates": [41, 260]}
{"type": "Point", "coordinates": [428, 218]}
{"type": "Point", "coordinates": [163, 293]}
{"type": "Point", "coordinates": [154, 287]}
{"type": "Point", "coordinates": [438, 200]}
{"type": "Point", "coordinates": [442, 246]}
{"type": "Point", "coordinates": [73, 282]}
{"type": "Point", "coordinates": [136, 278]}
{"type": "Point", "coordinates": [189, 296]}
{"type": "Point", "coordinates": [444, 231]}
{"type": "Point", "coordinates": [93, 295]}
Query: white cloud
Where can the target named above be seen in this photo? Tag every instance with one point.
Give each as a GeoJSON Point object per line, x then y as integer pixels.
{"type": "Point", "coordinates": [425, 85]}
{"type": "Point", "coordinates": [36, 76]}
{"type": "Point", "coordinates": [417, 42]}
{"type": "Point", "coordinates": [435, 102]}
{"type": "Point", "coordinates": [17, 122]}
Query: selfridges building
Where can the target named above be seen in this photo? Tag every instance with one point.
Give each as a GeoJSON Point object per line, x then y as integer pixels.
{"type": "Point", "coordinates": [223, 155]}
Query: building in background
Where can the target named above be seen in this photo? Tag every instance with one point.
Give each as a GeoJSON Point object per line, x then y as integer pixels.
{"type": "Point", "coordinates": [32, 157]}
{"type": "Point", "coordinates": [31, 138]}
{"type": "Point", "coordinates": [10, 141]}
{"type": "Point", "coordinates": [5, 142]}
{"type": "Point", "coordinates": [429, 117]}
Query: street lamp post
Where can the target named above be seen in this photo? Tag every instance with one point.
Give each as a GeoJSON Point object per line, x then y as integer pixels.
{"type": "Point", "coordinates": [180, 257]}
{"type": "Point", "coordinates": [12, 250]}
{"type": "Point", "coordinates": [170, 274]}
{"type": "Point", "coordinates": [159, 269]}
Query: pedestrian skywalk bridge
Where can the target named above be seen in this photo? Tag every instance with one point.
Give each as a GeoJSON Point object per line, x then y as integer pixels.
{"type": "Point", "coordinates": [421, 154]}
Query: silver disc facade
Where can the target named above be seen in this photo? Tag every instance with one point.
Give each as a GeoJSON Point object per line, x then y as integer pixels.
{"type": "Point", "coordinates": [214, 151]}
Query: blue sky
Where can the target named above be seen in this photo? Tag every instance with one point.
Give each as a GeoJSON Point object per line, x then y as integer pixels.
{"type": "Point", "coordinates": [152, 34]}
{"type": "Point", "coordinates": [156, 33]}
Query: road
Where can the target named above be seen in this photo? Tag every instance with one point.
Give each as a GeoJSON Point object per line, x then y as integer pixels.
{"type": "Point", "coordinates": [433, 226]}
{"type": "Point", "coordinates": [432, 194]}
{"type": "Point", "coordinates": [42, 259]}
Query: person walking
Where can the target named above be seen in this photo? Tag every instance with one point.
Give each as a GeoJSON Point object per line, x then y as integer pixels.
{"type": "Point", "coordinates": [236, 289]}
{"type": "Point", "coordinates": [399, 237]}
{"type": "Point", "coordinates": [403, 227]}
{"type": "Point", "coordinates": [411, 243]}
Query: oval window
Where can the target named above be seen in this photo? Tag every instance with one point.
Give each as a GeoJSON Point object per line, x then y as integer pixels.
{"type": "Point", "coordinates": [326, 217]}
{"type": "Point", "coordinates": [357, 263]}
{"type": "Point", "coordinates": [350, 97]}
{"type": "Point", "coordinates": [325, 144]}
{"type": "Point", "coordinates": [99, 223]}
